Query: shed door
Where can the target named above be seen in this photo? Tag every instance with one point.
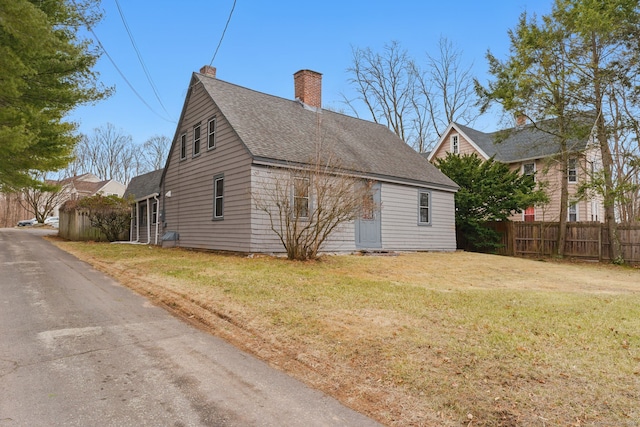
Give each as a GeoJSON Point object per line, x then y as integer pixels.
{"type": "Point", "coordinates": [368, 225]}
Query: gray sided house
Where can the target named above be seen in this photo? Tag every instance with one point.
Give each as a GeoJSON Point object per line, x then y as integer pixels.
{"type": "Point", "coordinates": [144, 192]}
{"type": "Point", "coordinates": [233, 144]}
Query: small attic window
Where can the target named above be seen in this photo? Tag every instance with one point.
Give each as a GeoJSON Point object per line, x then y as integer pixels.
{"type": "Point", "coordinates": [455, 145]}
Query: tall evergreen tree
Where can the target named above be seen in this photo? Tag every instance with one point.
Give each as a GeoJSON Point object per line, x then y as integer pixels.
{"type": "Point", "coordinates": [45, 72]}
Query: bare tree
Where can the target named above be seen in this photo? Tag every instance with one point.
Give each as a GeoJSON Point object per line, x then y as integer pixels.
{"type": "Point", "coordinates": [43, 198]}
{"type": "Point", "coordinates": [416, 103]}
{"type": "Point", "coordinates": [110, 153]}
{"type": "Point", "coordinates": [113, 155]}
{"type": "Point", "coordinates": [386, 84]}
{"type": "Point", "coordinates": [306, 204]}
{"type": "Point", "coordinates": [447, 87]}
{"type": "Point", "coordinates": [155, 151]}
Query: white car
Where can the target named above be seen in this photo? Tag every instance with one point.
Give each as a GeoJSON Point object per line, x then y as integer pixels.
{"type": "Point", "coordinates": [52, 221]}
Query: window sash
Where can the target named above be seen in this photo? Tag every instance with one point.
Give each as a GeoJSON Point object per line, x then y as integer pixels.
{"type": "Point", "coordinates": [183, 146]}
{"type": "Point", "coordinates": [528, 168]}
{"type": "Point", "coordinates": [218, 197]}
{"type": "Point", "coordinates": [572, 212]}
{"type": "Point", "coordinates": [455, 145]}
{"type": "Point", "coordinates": [572, 170]}
{"type": "Point", "coordinates": [196, 140]}
{"type": "Point", "coordinates": [424, 207]}
{"type": "Point", "coordinates": [211, 134]}
{"type": "Point", "coordinates": [301, 197]}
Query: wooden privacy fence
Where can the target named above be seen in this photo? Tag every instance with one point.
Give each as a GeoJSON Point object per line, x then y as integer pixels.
{"type": "Point", "coordinates": [587, 240]}
{"type": "Point", "coordinates": [75, 225]}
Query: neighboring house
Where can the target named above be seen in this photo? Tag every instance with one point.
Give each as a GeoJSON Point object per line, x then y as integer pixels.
{"type": "Point", "coordinates": [144, 191]}
{"type": "Point", "coordinates": [532, 151]}
{"type": "Point", "coordinates": [86, 185]}
{"type": "Point", "coordinates": [232, 143]}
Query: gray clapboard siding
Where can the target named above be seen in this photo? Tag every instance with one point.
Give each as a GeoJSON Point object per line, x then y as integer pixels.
{"type": "Point", "coordinates": [264, 239]}
{"type": "Point", "coordinates": [189, 210]}
{"type": "Point", "coordinates": [400, 229]}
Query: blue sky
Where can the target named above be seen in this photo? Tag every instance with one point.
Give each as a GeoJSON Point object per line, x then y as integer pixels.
{"type": "Point", "coordinates": [267, 41]}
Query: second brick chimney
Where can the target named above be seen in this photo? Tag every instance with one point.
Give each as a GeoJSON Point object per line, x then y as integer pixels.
{"type": "Point", "coordinates": [308, 87]}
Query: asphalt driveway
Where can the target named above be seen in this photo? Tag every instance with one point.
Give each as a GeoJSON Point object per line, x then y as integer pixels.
{"type": "Point", "coordinates": [78, 349]}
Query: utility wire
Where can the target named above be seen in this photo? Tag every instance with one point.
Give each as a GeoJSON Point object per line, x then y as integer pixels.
{"type": "Point", "coordinates": [144, 67]}
{"type": "Point", "coordinates": [223, 32]}
{"type": "Point", "coordinates": [125, 78]}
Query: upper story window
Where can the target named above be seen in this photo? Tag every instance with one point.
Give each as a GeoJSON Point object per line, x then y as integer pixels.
{"type": "Point", "coordinates": [455, 144]}
{"type": "Point", "coordinates": [218, 197]}
{"type": "Point", "coordinates": [196, 140]}
{"type": "Point", "coordinates": [424, 207]}
{"type": "Point", "coordinates": [301, 197]}
{"type": "Point", "coordinates": [529, 169]}
{"type": "Point", "coordinates": [572, 170]}
{"type": "Point", "coordinates": [211, 133]}
{"type": "Point", "coordinates": [183, 146]}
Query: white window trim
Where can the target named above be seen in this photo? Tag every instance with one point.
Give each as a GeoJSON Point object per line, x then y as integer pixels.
{"type": "Point", "coordinates": [534, 169]}
{"type": "Point", "coordinates": [216, 197]}
{"type": "Point", "coordinates": [211, 135]}
{"type": "Point", "coordinates": [524, 212]}
{"type": "Point", "coordinates": [575, 204]}
{"type": "Point", "coordinates": [455, 144]}
{"type": "Point", "coordinates": [575, 168]}
{"type": "Point", "coordinates": [428, 207]}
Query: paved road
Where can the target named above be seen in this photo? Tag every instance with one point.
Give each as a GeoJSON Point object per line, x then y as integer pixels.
{"type": "Point", "coordinates": [78, 349]}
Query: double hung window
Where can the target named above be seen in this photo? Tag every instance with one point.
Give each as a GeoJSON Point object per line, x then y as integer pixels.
{"type": "Point", "coordinates": [196, 140]}
{"type": "Point", "coordinates": [424, 207]}
{"type": "Point", "coordinates": [301, 197]}
{"type": "Point", "coordinates": [211, 133]}
{"type": "Point", "coordinates": [218, 197]}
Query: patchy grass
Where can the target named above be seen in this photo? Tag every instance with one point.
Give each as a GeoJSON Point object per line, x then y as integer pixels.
{"type": "Point", "coordinates": [417, 339]}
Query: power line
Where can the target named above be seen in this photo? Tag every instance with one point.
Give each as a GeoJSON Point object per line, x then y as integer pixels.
{"type": "Point", "coordinates": [144, 67]}
{"type": "Point", "coordinates": [223, 32]}
{"type": "Point", "coordinates": [125, 78]}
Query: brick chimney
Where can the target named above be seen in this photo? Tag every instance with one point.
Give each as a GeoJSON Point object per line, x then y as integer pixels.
{"type": "Point", "coordinates": [208, 70]}
{"type": "Point", "coordinates": [308, 87]}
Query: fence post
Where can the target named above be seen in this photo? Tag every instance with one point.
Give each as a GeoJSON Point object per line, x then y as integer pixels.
{"type": "Point", "coordinates": [600, 243]}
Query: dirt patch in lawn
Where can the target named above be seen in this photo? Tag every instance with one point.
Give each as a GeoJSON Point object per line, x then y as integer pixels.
{"type": "Point", "coordinates": [426, 339]}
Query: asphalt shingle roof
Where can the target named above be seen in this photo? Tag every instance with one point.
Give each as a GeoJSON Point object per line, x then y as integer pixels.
{"type": "Point", "coordinates": [520, 143]}
{"type": "Point", "coordinates": [144, 185]}
{"type": "Point", "coordinates": [282, 130]}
